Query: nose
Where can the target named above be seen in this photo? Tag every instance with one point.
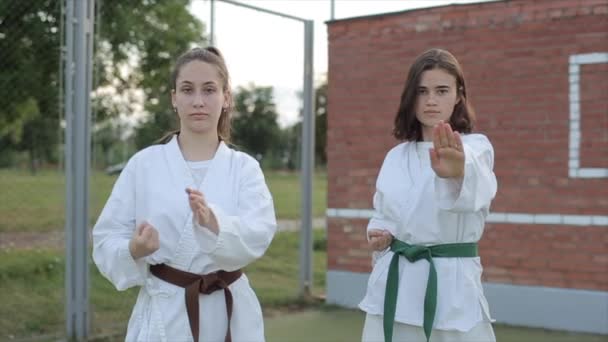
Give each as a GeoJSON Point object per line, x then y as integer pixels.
{"type": "Point", "coordinates": [431, 99]}
{"type": "Point", "coordinates": [199, 101]}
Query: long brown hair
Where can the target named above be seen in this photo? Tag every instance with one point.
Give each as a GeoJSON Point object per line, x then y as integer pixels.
{"type": "Point", "coordinates": [407, 127]}
{"type": "Point", "coordinates": [212, 56]}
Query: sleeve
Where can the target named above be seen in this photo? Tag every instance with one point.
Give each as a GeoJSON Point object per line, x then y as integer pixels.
{"type": "Point", "coordinates": [243, 237]}
{"type": "Point", "coordinates": [113, 231]}
{"type": "Point", "coordinates": [477, 188]}
{"type": "Point", "coordinates": [384, 216]}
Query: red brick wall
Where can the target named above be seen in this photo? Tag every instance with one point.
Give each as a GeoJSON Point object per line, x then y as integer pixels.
{"type": "Point", "coordinates": [515, 56]}
{"type": "Point", "coordinates": [594, 106]}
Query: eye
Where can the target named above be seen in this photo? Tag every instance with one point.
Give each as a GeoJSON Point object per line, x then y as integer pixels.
{"type": "Point", "coordinates": [442, 91]}
{"type": "Point", "coordinates": [186, 90]}
{"type": "Point", "coordinates": [421, 91]}
{"type": "Point", "coordinates": [209, 90]}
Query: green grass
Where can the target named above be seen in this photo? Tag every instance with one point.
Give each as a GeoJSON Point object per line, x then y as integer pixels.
{"type": "Point", "coordinates": [37, 202]}
{"type": "Point", "coordinates": [285, 188]}
{"type": "Point", "coordinates": [32, 295]}
{"type": "Point", "coordinates": [32, 292]}
{"type": "Point", "coordinates": [339, 325]}
{"type": "Point", "coordinates": [32, 288]}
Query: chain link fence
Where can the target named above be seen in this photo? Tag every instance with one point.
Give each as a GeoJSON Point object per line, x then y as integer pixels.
{"type": "Point", "coordinates": [130, 77]}
{"type": "Point", "coordinates": [135, 45]}
{"type": "Point", "coordinates": [32, 190]}
{"type": "Point", "coordinates": [32, 178]}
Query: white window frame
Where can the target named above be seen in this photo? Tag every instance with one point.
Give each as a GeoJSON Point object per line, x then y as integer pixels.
{"type": "Point", "coordinates": [575, 170]}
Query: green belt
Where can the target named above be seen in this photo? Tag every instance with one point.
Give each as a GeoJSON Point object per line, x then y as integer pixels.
{"type": "Point", "coordinates": [414, 253]}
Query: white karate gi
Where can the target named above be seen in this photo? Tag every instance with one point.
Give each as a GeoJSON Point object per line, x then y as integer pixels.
{"type": "Point", "coordinates": [152, 188]}
{"type": "Point", "coordinates": [420, 208]}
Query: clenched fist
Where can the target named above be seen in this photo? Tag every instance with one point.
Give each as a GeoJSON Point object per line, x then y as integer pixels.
{"type": "Point", "coordinates": [379, 240]}
{"type": "Point", "coordinates": [203, 215]}
{"type": "Point", "coordinates": [144, 241]}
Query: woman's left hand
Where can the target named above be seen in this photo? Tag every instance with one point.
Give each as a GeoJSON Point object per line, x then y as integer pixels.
{"type": "Point", "coordinates": [379, 239]}
{"type": "Point", "coordinates": [202, 213]}
{"type": "Point", "coordinates": [447, 154]}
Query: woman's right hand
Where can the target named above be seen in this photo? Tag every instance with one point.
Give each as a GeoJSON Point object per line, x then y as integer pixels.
{"type": "Point", "coordinates": [379, 239]}
{"type": "Point", "coordinates": [144, 241]}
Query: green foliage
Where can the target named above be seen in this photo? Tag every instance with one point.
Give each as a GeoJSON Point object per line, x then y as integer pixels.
{"type": "Point", "coordinates": [256, 130]}
{"type": "Point", "coordinates": [26, 112]}
{"type": "Point", "coordinates": [254, 124]}
{"type": "Point", "coordinates": [136, 42]}
{"type": "Point", "coordinates": [321, 124]}
{"type": "Point", "coordinates": [292, 143]}
{"type": "Point", "coordinates": [109, 145]}
{"type": "Point", "coordinates": [29, 76]}
{"type": "Point", "coordinates": [154, 33]}
{"type": "Point", "coordinates": [292, 135]}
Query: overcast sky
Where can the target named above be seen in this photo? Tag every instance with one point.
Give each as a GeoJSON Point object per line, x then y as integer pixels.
{"type": "Point", "coordinates": [268, 50]}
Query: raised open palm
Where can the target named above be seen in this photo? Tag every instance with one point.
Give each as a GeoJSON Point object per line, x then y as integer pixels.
{"type": "Point", "coordinates": [447, 154]}
{"type": "Point", "coordinates": [202, 213]}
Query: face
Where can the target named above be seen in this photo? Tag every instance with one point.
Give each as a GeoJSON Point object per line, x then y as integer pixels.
{"type": "Point", "coordinates": [199, 97]}
{"type": "Point", "coordinates": [436, 97]}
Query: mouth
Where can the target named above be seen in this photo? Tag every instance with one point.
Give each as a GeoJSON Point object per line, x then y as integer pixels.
{"type": "Point", "coordinates": [199, 115]}
{"type": "Point", "coordinates": [431, 112]}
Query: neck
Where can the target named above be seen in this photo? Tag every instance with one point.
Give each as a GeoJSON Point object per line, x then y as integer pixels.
{"type": "Point", "coordinates": [197, 147]}
{"type": "Point", "coordinates": [427, 133]}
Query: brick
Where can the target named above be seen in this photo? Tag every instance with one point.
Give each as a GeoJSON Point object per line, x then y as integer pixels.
{"type": "Point", "coordinates": [515, 56]}
{"type": "Point", "coordinates": [598, 10]}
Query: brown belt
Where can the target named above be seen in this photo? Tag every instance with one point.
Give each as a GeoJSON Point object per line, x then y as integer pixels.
{"type": "Point", "coordinates": [195, 284]}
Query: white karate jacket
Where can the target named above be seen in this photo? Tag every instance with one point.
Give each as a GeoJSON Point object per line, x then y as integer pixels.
{"type": "Point", "coordinates": [418, 207]}
{"type": "Point", "coordinates": [152, 188]}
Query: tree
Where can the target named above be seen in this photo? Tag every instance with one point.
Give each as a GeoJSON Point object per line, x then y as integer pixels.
{"type": "Point", "coordinates": [153, 33]}
{"type": "Point", "coordinates": [29, 51]}
{"type": "Point", "coordinates": [321, 123]}
{"type": "Point", "coordinates": [254, 125]}
{"type": "Point", "coordinates": [293, 133]}
{"type": "Point", "coordinates": [136, 43]}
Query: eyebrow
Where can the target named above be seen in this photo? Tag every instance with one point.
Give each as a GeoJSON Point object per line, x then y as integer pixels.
{"type": "Point", "coordinates": [186, 82]}
{"type": "Point", "coordinates": [437, 87]}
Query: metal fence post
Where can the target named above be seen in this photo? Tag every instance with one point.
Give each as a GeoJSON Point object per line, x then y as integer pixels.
{"type": "Point", "coordinates": [308, 162]}
{"type": "Point", "coordinates": [80, 16]}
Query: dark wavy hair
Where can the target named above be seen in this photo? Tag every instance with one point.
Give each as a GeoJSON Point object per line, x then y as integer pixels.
{"type": "Point", "coordinates": [211, 55]}
{"type": "Point", "coordinates": [407, 127]}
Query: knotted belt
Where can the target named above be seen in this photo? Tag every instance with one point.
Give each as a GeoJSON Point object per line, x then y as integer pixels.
{"type": "Point", "coordinates": [195, 284]}
{"type": "Point", "coordinates": [414, 253]}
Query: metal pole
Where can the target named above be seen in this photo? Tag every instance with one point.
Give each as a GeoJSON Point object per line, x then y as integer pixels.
{"type": "Point", "coordinates": [260, 9]}
{"type": "Point", "coordinates": [308, 148]}
{"type": "Point", "coordinates": [308, 160]}
{"type": "Point", "coordinates": [212, 24]}
{"type": "Point", "coordinates": [61, 100]}
{"type": "Point", "coordinates": [78, 72]}
{"type": "Point", "coordinates": [332, 4]}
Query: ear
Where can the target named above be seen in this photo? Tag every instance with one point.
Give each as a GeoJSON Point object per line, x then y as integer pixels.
{"type": "Point", "coordinates": [227, 99]}
{"type": "Point", "coordinates": [459, 96]}
{"type": "Point", "coordinates": [173, 104]}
